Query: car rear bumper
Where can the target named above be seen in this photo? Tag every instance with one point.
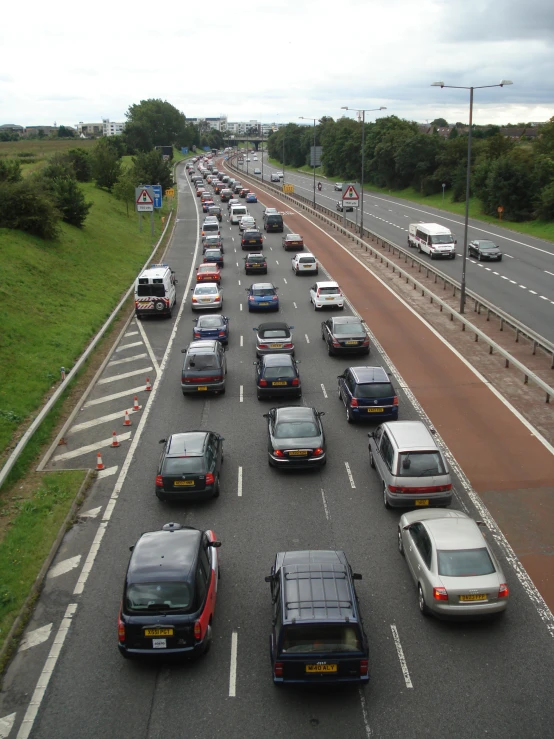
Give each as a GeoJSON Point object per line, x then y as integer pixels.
{"type": "Point", "coordinates": [262, 352]}
{"type": "Point", "coordinates": [184, 652]}
{"type": "Point", "coordinates": [319, 682]}
{"type": "Point", "coordinates": [205, 306]}
{"type": "Point", "coordinates": [329, 304]}
{"type": "Point", "coordinates": [257, 306]}
{"type": "Point", "coordinates": [468, 611]}
{"type": "Point", "coordinates": [349, 349]}
{"type": "Point", "coordinates": [192, 389]}
{"type": "Point", "coordinates": [363, 414]}
{"type": "Point", "coordinates": [276, 392]}
{"type": "Point", "coordinates": [182, 495]}
{"type": "Point", "coordinates": [405, 500]}
{"type": "Point", "coordinates": [298, 463]}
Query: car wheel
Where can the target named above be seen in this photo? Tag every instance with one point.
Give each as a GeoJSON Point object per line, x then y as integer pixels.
{"type": "Point", "coordinates": [208, 640]}
{"type": "Point", "coordinates": [161, 497]}
{"type": "Point", "coordinates": [371, 460]}
{"type": "Point", "coordinates": [423, 607]}
{"type": "Point", "coordinates": [216, 488]}
{"type": "Point", "coordinates": [385, 499]}
{"type": "Point", "coordinates": [418, 249]}
{"type": "Point", "coordinates": [480, 257]}
{"type": "Point", "coordinates": [349, 416]}
{"type": "Point", "coordinates": [500, 259]}
{"type": "Point", "coordinates": [400, 543]}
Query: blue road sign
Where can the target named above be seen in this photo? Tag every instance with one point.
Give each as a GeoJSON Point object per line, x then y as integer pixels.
{"type": "Point", "coordinates": [157, 190]}
{"type": "Point", "coordinates": [206, 148]}
{"type": "Point", "coordinates": [184, 150]}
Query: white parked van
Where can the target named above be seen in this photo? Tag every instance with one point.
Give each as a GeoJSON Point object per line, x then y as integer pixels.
{"type": "Point", "coordinates": [435, 240]}
{"type": "Point", "coordinates": [237, 212]}
{"type": "Point", "coordinates": [155, 292]}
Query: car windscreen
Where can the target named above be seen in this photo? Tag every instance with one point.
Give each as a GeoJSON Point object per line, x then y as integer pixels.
{"type": "Point", "coordinates": [298, 429]}
{"type": "Point", "coordinates": [183, 465]}
{"type": "Point", "coordinates": [320, 638]}
{"type": "Point", "coordinates": [206, 290]}
{"type": "Point", "coordinates": [487, 245]}
{"type": "Point", "coordinates": [464, 562]}
{"type": "Point", "coordinates": [150, 290]}
{"type": "Point", "coordinates": [210, 322]}
{"type": "Point", "coordinates": [348, 329]}
{"type": "Point", "coordinates": [263, 291]}
{"type": "Point", "coordinates": [420, 464]}
{"type": "Point", "coordinates": [158, 596]}
{"type": "Point", "coordinates": [374, 390]}
{"type": "Point", "coordinates": [201, 362]}
{"type": "Point", "coordinates": [274, 333]}
{"type": "Point", "coordinates": [442, 239]}
{"type": "Point", "coordinates": [328, 290]}
{"type": "Point", "coordinates": [287, 372]}
{"type": "Point", "coordinates": [306, 260]}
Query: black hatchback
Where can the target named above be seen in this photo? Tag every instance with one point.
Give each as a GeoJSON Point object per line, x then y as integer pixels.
{"type": "Point", "coordinates": [255, 263]}
{"type": "Point", "coordinates": [277, 375]}
{"type": "Point", "coordinates": [169, 594]}
{"type": "Point", "coordinates": [345, 335]}
{"type": "Point", "coordinates": [190, 466]}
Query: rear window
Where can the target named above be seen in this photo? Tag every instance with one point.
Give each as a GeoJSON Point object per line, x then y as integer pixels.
{"type": "Point", "coordinates": [273, 372]}
{"type": "Point", "coordinates": [328, 290]}
{"type": "Point", "coordinates": [158, 596]}
{"type": "Point", "coordinates": [205, 290]}
{"type": "Point", "coordinates": [320, 638]}
{"type": "Point", "coordinates": [182, 465]}
{"type": "Point", "coordinates": [420, 464]}
{"type": "Point", "coordinates": [306, 260]}
{"type": "Point", "coordinates": [274, 333]}
{"type": "Point", "coordinates": [201, 361]}
{"type": "Point", "coordinates": [275, 219]}
{"type": "Point", "coordinates": [374, 390]}
{"type": "Point", "coordinates": [261, 291]}
{"type": "Point", "coordinates": [300, 429]}
{"type": "Point", "coordinates": [156, 291]}
{"type": "Point", "coordinates": [465, 562]}
{"type": "Point", "coordinates": [210, 322]}
{"type": "Point", "coordinates": [210, 227]}
{"type": "Point", "coordinates": [350, 329]}
{"type": "Point", "coordinates": [238, 211]}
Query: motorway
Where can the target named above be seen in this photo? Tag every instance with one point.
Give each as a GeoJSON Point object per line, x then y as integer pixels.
{"type": "Point", "coordinates": [522, 284]}
{"type": "Point", "coordinates": [428, 678]}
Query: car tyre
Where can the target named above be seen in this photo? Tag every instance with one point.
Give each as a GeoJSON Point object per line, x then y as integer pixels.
{"type": "Point", "coordinates": [480, 257]}
{"type": "Point", "coordinates": [349, 416]}
{"type": "Point", "coordinates": [385, 499]}
{"type": "Point", "coordinates": [500, 259]}
{"type": "Point", "coordinates": [423, 607]}
{"type": "Point", "coordinates": [371, 460]}
{"type": "Point", "coordinates": [418, 249]}
{"type": "Point", "coordinates": [400, 543]}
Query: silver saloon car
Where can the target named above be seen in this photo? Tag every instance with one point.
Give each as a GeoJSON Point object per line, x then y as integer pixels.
{"type": "Point", "coordinates": [453, 567]}
{"type": "Point", "coordinates": [206, 296]}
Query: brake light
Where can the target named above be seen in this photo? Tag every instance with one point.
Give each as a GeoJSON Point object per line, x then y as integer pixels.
{"type": "Point", "coordinates": [287, 346]}
{"type": "Point", "coordinates": [336, 343]}
{"type": "Point", "coordinates": [263, 383]}
{"type": "Point", "coordinates": [274, 297]}
{"type": "Point", "coordinates": [222, 334]}
{"type": "Point", "coordinates": [264, 346]}
{"type": "Point", "coordinates": [196, 333]}
{"type": "Point", "coordinates": [427, 489]}
{"type": "Point", "coordinates": [317, 294]}
{"type": "Point", "coordinates": [278, 669]}
{"type": "Point", "coordinates": [365, 342]}
{"type": "Point", "coordinates": [250, 297]}
{"type": "Point", "coordinates": [363, 667]}
{"type": "Point", "coordinates": [354, 403]}
{"type": "Point", "coordinates": [210, 479]}
{"type": "Point", "coordinates": [120, 628]}
{"type": "Point", "coordinates": [318, 452]}
{"type": "Point", "coordinates": [296, 381]}
{"type": "Point", "coordinates": [197, 630]}
{"type": "Point", "coordinates": [217, 299]}
{"type": "Point", "coordinates": [278, 453]}
{"type": "Point", "coordinates": [503, 590]}
{"type": "Point", "coordinates": [395, 400]}
{"type": "Point", "coordinates": [159, 481]}
{"type": "Point", "coordinates": [194, 300]}
{"type": "Point", "coordinates": [440, 594]}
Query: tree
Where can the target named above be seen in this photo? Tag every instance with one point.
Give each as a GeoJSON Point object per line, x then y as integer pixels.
{"type": "Point", "coordinates": [106, 164]}
{"type": "Point", "coordinates": [58, 165]}
{"type": "Point", "coordinates": [509, 184]}
{"type": "Point", "coordinates": [124, 188]}
{"type": "Point", "coordinates": [152, 123]}
{"type": "Point", "coordinates": [151, 169]}
{"type": "Point", "coordinates": [453, 133]}
{"type": "Point", "coordinates": [65, 133]}
{"type": "Point", "coordinates": [24, 205]}
{"type": "Point", "coordinates": [439, 122]}
{"type": "Point", "coordinates": [10, 170]}
{"type": "Point", "coordinates": [70, 201]}
{"type": "Point", "coordinates": [545, 209]}
{"type": "Point", "coordinates": [82, 165]}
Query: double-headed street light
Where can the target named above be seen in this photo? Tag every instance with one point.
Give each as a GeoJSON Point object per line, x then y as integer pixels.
{"type": "Point", "coordinates": [314, 120]}
{"type": "Point", "coordinates": [363, 112]}
{"type": "Point", "coordinates": [502, 83]}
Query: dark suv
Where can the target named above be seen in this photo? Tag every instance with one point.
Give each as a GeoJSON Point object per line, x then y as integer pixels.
{"type": "Point", "coordinates": [189, 466]}
{"type": "Point", "coordinates": [318, 634]}
{"type": "Point", "coordinates": [273, 222]}
{"type": "Point", "coordinates": [204, 368]}
{"type": "Point", "coordinates": [368, 394]}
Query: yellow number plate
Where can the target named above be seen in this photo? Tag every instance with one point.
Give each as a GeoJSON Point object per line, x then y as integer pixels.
{"type": "Point", "coordinates": [350, 342]}
{"type": "Point", "coordinates": [279, 383]}
{"type": "Point", "coordinates": [483, 596]}
{"type": "Point", "coordinates": [182, 483]}
{"type": "Point", "coordinates": [263, 304]}
{"type": "Point", "coordinates": [158, 632]}
{"type": "Point", "coordinates": [275, 346]}
{"type": "Point", "coordinates": [202, 387]}
{"type": "Point", "coordinates": [375, 410]}
{"type": "Point", "coordinates": [252, 241]}
{"type": "Point", "coordinates": [329, 298]}
{"type": "Point", "coordinates": [422, 502]}
{"type": "Point", "coordinates": [321, 668]}
{"type": "Point", "coordinates": [298, 453]}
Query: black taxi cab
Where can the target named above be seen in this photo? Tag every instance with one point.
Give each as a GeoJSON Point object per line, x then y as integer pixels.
{"type": "Point", "coordinates": [169, 594]}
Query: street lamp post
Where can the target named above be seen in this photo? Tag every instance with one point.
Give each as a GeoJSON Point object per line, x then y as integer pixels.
{"type": "Point", "coordinates": [314, 120]}
{"type": "Point", "coordinates": [502, 83]}
{"type": "Point", "coordinates": [363, 112]}
{"type": "Point", "coordinates": [283, 156]}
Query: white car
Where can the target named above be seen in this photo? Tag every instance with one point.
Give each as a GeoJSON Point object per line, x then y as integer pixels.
{"type": "Point", "coordinates": [206, 295]}
{"type": "Point", "coordinates": [255, 159]}
{"type": "Point", "coordinates": [303, 262]}
{"type": "Point", "coordinates": [326, 295]}
{"type": "Point", "coordinates": [338, 186]}
{"type": "Point", "coordinates": [247, 222]}
{"type": "Point", "coordinates": [275, 177]}
{"type": "Point", "coordinates": [257, 170]}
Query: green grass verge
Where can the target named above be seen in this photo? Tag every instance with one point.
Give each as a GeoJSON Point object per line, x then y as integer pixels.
{"type": "Point", "coordinates": [30, 537]}
{"type": "Point", "coordinates": [57, 294]}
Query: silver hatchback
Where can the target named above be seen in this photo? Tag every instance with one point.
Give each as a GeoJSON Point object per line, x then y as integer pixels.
{"type": "Point", "coordinates": [452, 564]}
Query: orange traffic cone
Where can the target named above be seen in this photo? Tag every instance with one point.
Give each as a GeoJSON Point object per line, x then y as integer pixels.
{"type": "Point", "coordinates": [127, 420]}
{"type": "Point", "coordinates": [115, 442]}
{"type": "Point", "coordinates": [99, 463]}
{"type": "Point", "coordinates": [148, 385]}
{"type": "Point", "coordinates": [136, 406]}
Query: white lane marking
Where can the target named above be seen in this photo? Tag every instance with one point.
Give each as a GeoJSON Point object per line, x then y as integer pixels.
{"type": "Point", "coordinates": [93, 512]}
{"type": "Point", "coordinates": [66, 565]}
{"type": "Point", "coordinates": [239, 282]}
{"type": "Point", "coordinates": [307, 338]}
{"type": "Point", "coordinates": [91, 447]}
{"type": "Point", "coordinates": [513, 282]}
{"type": "Point", "coordinates": [523, 286]}
{"type": "Point", "coordinates": [237, 264]}
{"type": "Point", "coordinates": [35, 637]}
{"type": "Point", "coordinates": [276, 262]}
{"type": "Point", "coordinates": [504, 277]}
{"type": "Point", "coordinates": [6, 724]}
{"type": "Point", "coordinates": [124, 393]}
{"type": "Point", "coordinates": [242, 340]}
{"type": "Point", "coordinates": [270, 248]}
{"type": "Point", "coordinates": [533, 292]}
{"type": "Point", "coordinates": [349, 473]}
{"type": "Point", "coordinates": [240, 306]}
{"type": "Point", "coordinates": [233, 666]}
{"type": "Point", "coordinates": [241, 394]}
{"type": "Point", "coordinates": [285, 280]}
{"type": "Point", "coordinates": [127, 359]}
{"type": "Point", "coordinates": [131, 333]}
{"type": "Point", "coordinates": [143, 371]}
{"type": "Point", "coordinates": [325, 508]}
{"type": "Point", "coordinates": [365, 716]}
{"type": "Point", "coordinates": [108, 472]}
{"type": "Point", "coordinates": [323, 390]}
{"type": "Point", "coordinates": [239, 483]}
{"type": "Point", "coordinates": [549, 273]}
{"type": "Point", "coordinates": [93, 551]}
{"type": "Point", "coordinates": [495, 273]}
{"type": "Point", "coordinates": [400, 652]}
{"type": "Point", "coordinates": [543, 297]}
{"type": "Point", "coordinates": [149, 348]}
{"type": "Point", "coordinates": [47, 671]}
{"type": "Point", "coordinates": [517, 242]}
{"type": "Point", "coordinates": [295, 305]}
{"type": "Point", "coordinates": [103, 419]}
{"type": "Point", "coordinates": [128, 346]}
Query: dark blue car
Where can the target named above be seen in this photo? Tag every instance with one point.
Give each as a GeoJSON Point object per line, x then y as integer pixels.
{"type": "Point", "coordinates": [262, 296]}
{"type": "Point", "coordinates": [211, 327]}
{"type": "Point", "coordinates": [277, 375]}
{"type": "Point", "coordinates": [368, 394]}
{"type": "Point", "coordinates": [251, 198]}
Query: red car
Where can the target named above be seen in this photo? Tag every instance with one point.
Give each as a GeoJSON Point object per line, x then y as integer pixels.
{"type": "Point", "coordinates": [199, 191]}
{"type": "Point", "coordinates": [208, 273]}
{"type": "Point", "coordinates": [292, 241]}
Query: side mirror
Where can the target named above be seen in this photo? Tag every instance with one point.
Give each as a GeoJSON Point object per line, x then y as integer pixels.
{"type": "Point", "coordinates": [176, 282]}
{"type": "Point", "coordinates": [162, 441]}
{"type": "Point", "coordinates": [321, 413]}
{"type": "Point", "coordinates": [215, 544]}
{"type": "Point", "coordinates": [371, 435]}
{"type": "Point", "coordinates": [131, 548]}
{"type": "Point", "coordinates": [266, 415]}
{"type": "Point", "coordinates": [356, 576]}
{"type": "Point", "coordinates": [290, 328]}
{"type": "Point", "coordinates": [340, 377]}
{"type": "Point", "coordinates": [407, 528]}
{"type": "Point", "coordinates": [267, 578]}
{"type": "Point", "coordinates": [183, 351]}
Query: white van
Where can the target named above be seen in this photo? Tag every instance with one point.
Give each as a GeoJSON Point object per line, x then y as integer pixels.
{"type": "Point", "coordinates": [237, 212]}
{"type": "Point", "coordinates": [155, 292]}
{"type": "Point", "coordinates": [435, 240]}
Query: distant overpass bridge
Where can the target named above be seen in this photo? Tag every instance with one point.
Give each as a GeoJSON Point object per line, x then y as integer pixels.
{"type": "Point", "coordinates": [234, 140]}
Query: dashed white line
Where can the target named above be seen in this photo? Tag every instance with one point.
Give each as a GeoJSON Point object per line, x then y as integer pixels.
{"type": "Point", "coordinates": [233, 666]}
{"type": "Point", "coordinates": [323, 390]}
{"type": "Point", "coordinates": [523, 286]}
{"type": "Point", "coordinates": [239, 483]}
{"type": "Point", "coordinates": [241, 395]}
{"type": "Point", "coordinates": [240, 306]}
{"type": "Point", "coordinates": [514, 282]}
{"type": "Point", "coordinates": [533, 292]}
{"type": "Point", "coordinates": [549, 273]}
{"type": "Point", "coordinates": [510, 257]}
{"type": "Point", "coordinates": [242, 340]}
{"type": "Point", "coordinates": [543, 297]}
{"type": "Point", "coordinates": [128, 346]}
{"type": "Point", "coordinates": [307, 338]}
{"type": "Point", "coordinates": [237, 264]}
{"type": "Point", "coordinates": [131, 333]}
{"type": "Point", "coordinates": [349, 473]}
{"type": "Point", "coordinates": [365, 716]}
{"type": "Point", "coordinates": [400, 651]}
{"type": "Point", "coordinates": [295, 305]}
{"type": "Point", "coordinates": [276, 262]}
{"type": "Point", "coordinates": [325, 508]}
{"type": "Point", "coordinates": [239, 282]}
{"type": "Point", "coordinates": [285, 281]}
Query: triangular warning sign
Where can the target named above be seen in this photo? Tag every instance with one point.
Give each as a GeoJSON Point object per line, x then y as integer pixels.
{"type": "Point", "coordinates": [350, 193]}
{"type": "Point", "coordinates": [144, 198]}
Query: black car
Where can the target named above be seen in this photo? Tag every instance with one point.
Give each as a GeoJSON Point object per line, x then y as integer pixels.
{"type": "Point", "coordinates": [251, 237]}
{"type": "Point", "coordinates": [295, 437]}
{"type": "Point", "coordinates": [255, 263]}
{"type": "Point", "coordinates": [211, 327]}
{"type": "Point", "coordinates": [213, 256]}
{"type": "Point", "coordinates": [215, 210]}
{"type": "Point", "coordinates": [204, 368]}
{"type": "Point", "coordinates": [169, 594]}
{"type": "Point", "coordinates": [189, 466]}
{"type": "Point", "coordinates": [345, 335]}
{"type": "Point", "coordinates": [484, 250]}
{"type": "Point", "coordinates": [277, 375]}
{"type": "Point", "coordinates": [368, 394]}
{"type": "Point", "coordinates": [274, 222]}
{"type": "Point", "coordinates": [318, 635]}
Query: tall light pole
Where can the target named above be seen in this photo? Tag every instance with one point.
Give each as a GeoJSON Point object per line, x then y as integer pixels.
{"type": "Point", "coordinates": [283, 156]}
{"type": "Point", "coordinates": [314, 120]}
{"type": "Point", "coordinates": [502, 83]}
{"type": "Point", "coordinates": [363, 112]}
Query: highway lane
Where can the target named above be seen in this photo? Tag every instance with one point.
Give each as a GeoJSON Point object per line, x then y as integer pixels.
{"type": "Point", "coordinates": [494, 678]}
{"type": "Point", "coordinates": [522, 284]}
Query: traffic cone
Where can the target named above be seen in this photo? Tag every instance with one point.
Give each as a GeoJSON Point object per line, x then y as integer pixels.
{"type": "Point", "coordinates": [99, 463]}
{"type": "Point", "coordinates": [115, 442]}
{"type": "Point", "coordinates": [136, 406]}
{"type": "Point", "coordinates": [127, 420]}
{"type": "Point", "coordinates": [148, 385]}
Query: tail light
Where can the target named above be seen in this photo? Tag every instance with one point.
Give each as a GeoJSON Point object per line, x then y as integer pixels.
{"type": "Point", "coordinates": [317, 294]}
{"type": "Point", "coordinates": [296, 382]}
{"type": "Point", "coordinates": [159, 481]}
{"type": "Point", "coordinates": [210, 479]}
{"type": "Point", "coordinates": [354, 403]}
{"type": "Point", "coordinates": [395, 400]}
{"type": "Point", "coordinates": [503, 590]}
{"type": "Point", "coordinates": [318, 452]}
{"type": "Point", "coordinates": [194, 300]}
{"type": "Point", "coordinates": [427, 489]}
{"type": "Point", "coordinates": [196, 334]}
{"type": "Point", "coordinates": [263, 383]}
{"type": "Point", "coordinates": [222, 334]}
{"type": "Point", "coordinates": [336, 343]}
{"type": "Point", "coordinates": [278, 453]}
{"type": "Point", "coordinates": [264, 346]}
{"type": "Point", "coordinates": [363, 667]}
{"type": "Point", "coordinates": [264, 264]}
{"type": "Point", "coordinates": [365, 342]}
{"type": "Point", "coordinates": [197, 630]}
{"type": "Point", "coordinates": [217, 299]}
{"type": "Point", "coordinates": [278, 669]}
{"type": "Point", "coordinates": [120, 628]}
{"type": "Point", "coordinates": [339, 291]}
{"type": "Point", "coordinates": [287, 346]}
{"type": "Point", "coordinates": [440, 594]}
{"type": "Point", "coordinates": [250, 297]}
{"type": "Point", "coordinates": [274, 297]}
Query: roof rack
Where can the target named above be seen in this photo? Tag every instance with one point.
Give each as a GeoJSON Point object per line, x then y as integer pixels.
{"type": "Point", "coordinates": [315, 572]}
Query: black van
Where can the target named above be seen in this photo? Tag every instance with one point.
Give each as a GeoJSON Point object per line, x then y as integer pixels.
{"type": "Point", "coordinates": [274, 222]}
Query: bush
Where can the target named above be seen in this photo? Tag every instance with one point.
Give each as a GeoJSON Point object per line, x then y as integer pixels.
{"type": "Point", "coordinates": [70, 201]}
{"type": "Point", "coordinates": [26, 206]}
{"type": "Point", "coordinates": [545, 210]}
{"type": "Point", "coordinates": [57, 166]}
{"type": "Point", "coordinates": [10, 170]}
{"type": "Point", "coordinates": [82, 165]}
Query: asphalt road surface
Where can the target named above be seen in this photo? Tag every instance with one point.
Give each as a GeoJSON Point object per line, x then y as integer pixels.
{"type": "Point", "coordinates": [522, 284]}
{"type": "Point", "coordinates": [428, 678]}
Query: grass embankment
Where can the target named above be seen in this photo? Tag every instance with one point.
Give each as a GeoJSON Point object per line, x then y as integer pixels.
{"type": "Point", "coordinates": [33, 154]}
{"type": "Point", "coordinates": [539, 229]}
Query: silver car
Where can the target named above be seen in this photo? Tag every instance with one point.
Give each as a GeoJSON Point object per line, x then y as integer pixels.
{"type": "Point", "coordinates": [274, 337]}
{"type": "Point", "coordinates": [452, 564]}
{"type": "Point", "coordinates": [206, 296]}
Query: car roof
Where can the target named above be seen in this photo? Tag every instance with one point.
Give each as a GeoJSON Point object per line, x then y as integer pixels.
{"type": "Point", "coordinates": [210, 317]}
{"type": "Point", "coordinates": [259, 285]}
{"type": "Point", "coordinates": [304, 254]}
{"type": "Point", "coordinates": [293, 235]}
{"type": "Point", "coordinates": [411, 435]}
{"type": "Point", "coordinates": [203, 346]}
{"type": "Point", "coordinates": [254, 255]}
{"type": "Point", "coordinates": [341, 320]}
{"type": "Point", "coordinates": [191, 443]}
{"type": "Point", "coordinates": [272, 325]}
{"type": "Point", "coordinates": [208, 267]}
{"type": "Point", "coordinates": [455, 533]}
{"type": "Point", "coordinates": [295, 413]}
{"type": "Point", "coordinates": [277, 360]}
{"type": "Point", "coordinates": [329, 283]}
{"type": "Point", "coordinates": [366, 375]}
{"type": "Point", "coordinates": [164, 555]}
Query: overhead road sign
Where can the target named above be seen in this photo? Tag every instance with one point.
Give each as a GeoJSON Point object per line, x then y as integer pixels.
{"type": "Point", "coordinates": [350, 195]}
{"type": "Point", "coordinates": [144, 199]}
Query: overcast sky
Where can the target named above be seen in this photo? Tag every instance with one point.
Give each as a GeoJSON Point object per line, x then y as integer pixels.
{"type": "Point", "coordinates": [276, 61]}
